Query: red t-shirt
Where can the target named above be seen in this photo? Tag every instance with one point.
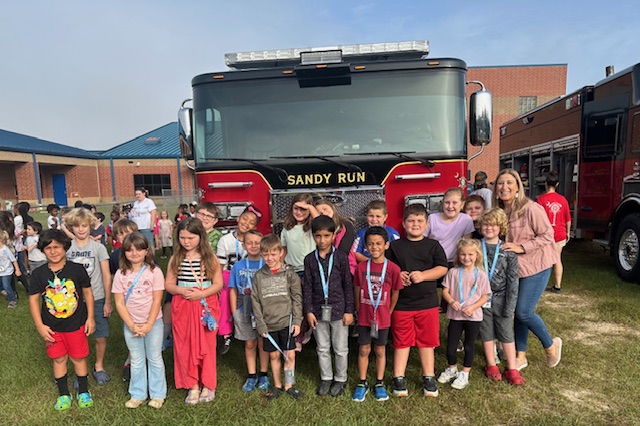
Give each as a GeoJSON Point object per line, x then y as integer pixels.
{"type": "Point", "coordinates": [557, 209]}
{"type": "Point", "coordinates": [392, 281]}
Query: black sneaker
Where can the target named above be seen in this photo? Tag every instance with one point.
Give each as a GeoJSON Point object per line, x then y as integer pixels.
{"type": "Point", "coordinates": [226, 345]}
{"type": "Point", "coordinates": [400, 387]}
{"type": "Point", "coordinates": [554, 289]}
{"type": "Point", "coordinates": [429, 386]}
{"type": "Point", "coordinates": [126, 373]}
{"type": "Point", "coordinates": [337, 389]}
{"type": "Point", "coordinates": [324, 387]}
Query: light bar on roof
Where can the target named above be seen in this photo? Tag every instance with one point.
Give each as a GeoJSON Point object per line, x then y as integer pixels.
{"type": "Point", "coordinates": [271, 58]}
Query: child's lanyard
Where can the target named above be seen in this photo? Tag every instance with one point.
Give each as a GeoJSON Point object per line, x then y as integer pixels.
{"type": "Point", "coordinates": [250, 275]}
{"type": "Point", "coordinates": [495, 259]}
{"type": "Point", "coordinates": [135, 281]}
{"type": "Point", "coordinates": [275, 345]}
{"type": "Point", "coordinates": [323, 279]}
{"type": "Point", "coordinates": [239, 250]}
{"type": "Point", "coordinates": [473, 289]}
{"type": "Point", "coordinates": [370, 286]}
{"type": "Point", "coordinates": [199, 279]}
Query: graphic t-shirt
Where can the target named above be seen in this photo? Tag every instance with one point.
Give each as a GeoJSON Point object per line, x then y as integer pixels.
{"type": "Point", "coordinates": [392, 281]}
{"type": "Point", "coordinates": [557, 208]}
{"type": "Point", "coordinates": [63, 307]}
{"type": "Point", "coordinates": [90, 257]}
{"type": "Point", "coordinates": [141, 213]}
{"type": "Point", "coordinates": [241, 278]}
{"type": "Point", "coordinates": [360, 245]}
{"type": "Point", "coordinates": [229, 250]}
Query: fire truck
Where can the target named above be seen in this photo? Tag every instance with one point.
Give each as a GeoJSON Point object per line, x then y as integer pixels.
{"type": "Point", "coordinates": [351, 123]}
{"type": "Point", "coordinates": [591, 137]}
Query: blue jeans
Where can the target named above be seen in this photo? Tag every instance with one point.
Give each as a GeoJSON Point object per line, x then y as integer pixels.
{"type": "Point", "coordinates": [147, 350]}
{"type": "Point", "coordinates": [529, 293]}
{"type": "Point", "coordinates": [7, 280]}
{"type": "Point", "coordinates": [148, 234]}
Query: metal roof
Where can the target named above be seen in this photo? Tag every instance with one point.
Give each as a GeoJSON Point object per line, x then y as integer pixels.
{"type": "Point", "coordinates": [159, 143]}
{"type": "Point", "coordinates": [16, 142]}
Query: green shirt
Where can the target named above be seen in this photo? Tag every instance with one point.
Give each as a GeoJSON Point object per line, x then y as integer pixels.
{"type": "Point", "coordinates": [214, 237]}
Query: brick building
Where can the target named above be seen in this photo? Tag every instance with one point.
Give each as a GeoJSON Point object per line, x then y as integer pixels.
{"type": "Point", "coordinates": [43, 172]}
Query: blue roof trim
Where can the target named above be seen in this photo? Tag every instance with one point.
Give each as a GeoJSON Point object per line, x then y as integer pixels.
{"type": "Point", "coordinates": [159, 143]}
{"type": "Point", "coordinates": [17, 142]}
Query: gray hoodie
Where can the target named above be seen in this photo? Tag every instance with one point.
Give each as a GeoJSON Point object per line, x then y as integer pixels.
{"type": "Point", "coordinates": [275, 297]}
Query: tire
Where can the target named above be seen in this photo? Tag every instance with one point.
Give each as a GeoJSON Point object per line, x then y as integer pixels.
{"type": "Point", "coordinates": [627, 248]}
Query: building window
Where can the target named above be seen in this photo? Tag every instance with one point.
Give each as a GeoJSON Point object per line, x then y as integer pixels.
{"type": "Point", "coordinates": [526, 104]}
{"type": "Point", "coordinates": [152, 183]}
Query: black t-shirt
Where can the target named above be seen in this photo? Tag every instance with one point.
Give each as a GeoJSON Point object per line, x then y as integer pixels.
{"type": "Point", "coordinates": [114, 261]}
{"type": "Point", "coordinates": [63, 307]}
{"type": "Point", "coordinates": [417, 256]}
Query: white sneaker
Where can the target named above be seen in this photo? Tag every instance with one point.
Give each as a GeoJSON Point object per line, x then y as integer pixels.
{"type": "Point", "coordinates": [496, 355]}
{"type": "Point", "coordinates": [448, 375]}
{"type": "Point", "coordinates": [461, 381]}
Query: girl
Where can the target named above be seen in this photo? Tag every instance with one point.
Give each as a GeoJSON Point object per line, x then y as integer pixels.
{"type": "Point", "coordinates": [194, 277]}
{"type": "Point", "coordinates": [8, 265]}
{"type": "Point", "coordinates": [466, 289]}
{"type": "Point", "coordinates": [138, 287]}
{"type": "Point", "coordinates": [345, 232]}
{"type": "Point", "coordinates": [296, 237]}
{"type": "Point", "coordinates": [165, 226]}
{"type": "Point", "coordinates": [36, 257]}
{"type": "Point", "coordinates": [229, 251]}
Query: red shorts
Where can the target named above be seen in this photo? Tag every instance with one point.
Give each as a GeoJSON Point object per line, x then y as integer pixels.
{"type": "Point", "coordinates": [72, 343]}
{"type": "Point", "coordinates": [416, 328]}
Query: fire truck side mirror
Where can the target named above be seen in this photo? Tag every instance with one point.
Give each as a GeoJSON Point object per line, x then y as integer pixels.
{"type": "Point", "coordinates": [185, 132]}
{"type": "Point", "coordinates": [480, 117]}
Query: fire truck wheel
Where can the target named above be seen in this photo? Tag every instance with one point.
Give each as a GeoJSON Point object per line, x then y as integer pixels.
{"type": "Point", "coordinates": [627, 248]}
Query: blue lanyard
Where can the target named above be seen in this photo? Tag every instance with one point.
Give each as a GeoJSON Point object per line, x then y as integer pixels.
{"type": "Point", "coordinates": [370, 285]}
{"type": "Point", "coordinates": [495, 259]}
{"type": "Point", "coordinates": [135, 281]}
{"type": "Point", "coordinates": [275, 345]}
{"type": "Point", "coordinates": [473, 289]}
{"type": "Point", "coordinates": [249, 274]}
{"type": "Point", "coordinates": [239, 250]}
{"type": "Point", "coordinates": [323, 279]}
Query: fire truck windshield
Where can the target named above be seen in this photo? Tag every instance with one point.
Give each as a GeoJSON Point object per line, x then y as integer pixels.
{"type": "Point", "coordinates": [421, 111]}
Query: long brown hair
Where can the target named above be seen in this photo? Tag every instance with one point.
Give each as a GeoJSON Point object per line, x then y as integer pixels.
{"type": "Point", "coordinates": [137, 240]}
{"type": "Point", "coordinates": [520, 202]}
{"type": "Point", "coordinates": [290, 221]}
{"type": "Point", "coordinates": [337, 217]}
{"type": "Point", "coordinates": [208, 259]}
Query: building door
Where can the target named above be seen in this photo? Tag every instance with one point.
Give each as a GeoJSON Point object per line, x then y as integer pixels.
{"type": "Point", "coordinates": [59, 189]}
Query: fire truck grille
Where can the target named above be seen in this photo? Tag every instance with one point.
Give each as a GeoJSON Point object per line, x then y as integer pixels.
{"type": "Point", "coordinates": [351, 203]}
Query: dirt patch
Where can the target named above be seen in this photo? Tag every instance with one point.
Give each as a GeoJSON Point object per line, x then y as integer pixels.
{"type": "Point", "coordinates": [571, 301]}
{"type": "Point", "coordinates": [591, 333]}
{"type": "Point", "coordinates": [586, 399]}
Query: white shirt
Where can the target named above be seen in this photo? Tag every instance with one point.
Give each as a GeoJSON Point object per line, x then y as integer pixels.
{"type": "Point", "coordinates": [141, 213]}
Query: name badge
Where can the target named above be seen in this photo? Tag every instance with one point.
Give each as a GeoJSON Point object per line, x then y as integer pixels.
{"type": "Point", "coordinates": [326, 313]}
{"type": "Point", "coordinates": [487, 305]}
{"type": "Point", "coordinates": [253, 322]}
{"type": "Point", "coordinates": [374, 329]}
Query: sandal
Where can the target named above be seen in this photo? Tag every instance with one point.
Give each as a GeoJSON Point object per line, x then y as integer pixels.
{"type": "Point", "coordinates": [193, 397]}
{"type": "Point", "coordinates": [63, 403]}
{"type": "Point", "coordinates": [273, 394]}
{"type": "Point", "coordinates": [493, 372]}
{"type": "Point", "coordinates": [294, 393]}
{"type": "Point", "coordinates": [207, 395]}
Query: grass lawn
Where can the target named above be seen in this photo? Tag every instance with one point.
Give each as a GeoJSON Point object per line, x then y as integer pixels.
{"type": "Point", "coordinates": [596, 382]}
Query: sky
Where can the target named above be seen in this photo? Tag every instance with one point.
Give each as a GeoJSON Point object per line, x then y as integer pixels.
{"type": "Point", "coordinates": [95, 74]}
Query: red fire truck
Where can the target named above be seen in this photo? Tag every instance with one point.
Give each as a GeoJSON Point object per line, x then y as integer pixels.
{"type": "Point", "coordinates": [348, 123]}
{"type": "Point", "coordinates": [591, 137]}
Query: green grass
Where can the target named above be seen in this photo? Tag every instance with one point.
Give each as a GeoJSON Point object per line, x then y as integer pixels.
{"type": "Point", "coordinates": [596, 382]}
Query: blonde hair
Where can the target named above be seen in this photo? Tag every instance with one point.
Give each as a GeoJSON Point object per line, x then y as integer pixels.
{"type": "Point", "coordinates": [4, 238]}
{"type": "Point", "coordinates": [454, 191]}
{"type": "Point", "coordinates": [496, 216]}
{"type": "Point", "coordinates": [468, 242]}
{"type": "Point", "coordinates": [521, 200]}
{"type": "Point", "coordinates": [80, 215]}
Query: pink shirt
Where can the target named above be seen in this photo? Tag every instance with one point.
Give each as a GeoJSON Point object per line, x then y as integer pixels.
{"type": "Point", "coordinates": [139, 302]}
{"type": "Point", "coordinates": [448, 233]}
{"type": "Point", "coordinates": [468, 280]}
{"type": "Point", "coordinates": [534, 232]}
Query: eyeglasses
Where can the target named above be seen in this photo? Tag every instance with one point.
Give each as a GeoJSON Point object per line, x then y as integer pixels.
{"type": "Point", "coordinates": [206, 216]}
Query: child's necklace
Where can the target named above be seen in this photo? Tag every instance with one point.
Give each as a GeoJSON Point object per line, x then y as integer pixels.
{"type": "Point", "coordinates": [56, 279]}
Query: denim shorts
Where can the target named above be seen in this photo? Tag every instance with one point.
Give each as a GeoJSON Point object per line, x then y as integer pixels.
{"type": "Point", "coordinates": [102, 323]}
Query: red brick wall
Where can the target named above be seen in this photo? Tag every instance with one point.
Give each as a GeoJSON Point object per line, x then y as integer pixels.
{"type": "Point", "coordinates": [507, 84]}
{"type": "Point", "coordinates": [7, 183]}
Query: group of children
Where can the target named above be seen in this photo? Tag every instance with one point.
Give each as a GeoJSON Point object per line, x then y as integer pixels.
{"type": "Point", "coordinates": [268, 289]}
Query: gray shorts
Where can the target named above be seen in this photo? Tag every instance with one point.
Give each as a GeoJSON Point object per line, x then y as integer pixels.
{"type": "Point", "coordinates": [494, 326]}
{"type": "Point", "coordinates": [102, 323]}
{"type": "Point", "coordinates": [242, 327]}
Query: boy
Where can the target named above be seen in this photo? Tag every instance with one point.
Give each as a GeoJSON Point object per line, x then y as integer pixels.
{"type": "Point", "coordinates": [277, 306]}
{"type": "Point", "coordinates": [240, 285]}
{"type": "Point", "coordinates": [63, 315]}
{"type": "Point", "coordinates": [415, 319]}
{"type": "Point", "coordinates": [52, 221]}
{"type": "Point", "coordinates": [99, 233]}
{"type": "Point", "coordinates": [328, 305]}
{"type": "Point", "coordinates": [377, 283]}
{"type": "Point", "coordinates": [94, 257]}
{"type": "Point", "coordinates": [376, 216]}
{"type": "Point", "coordinates": [36, 257]}
{"type": "Point", "coordinates": [208, 214]}
{"type": "Point", "coordinates": [122, 228]}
